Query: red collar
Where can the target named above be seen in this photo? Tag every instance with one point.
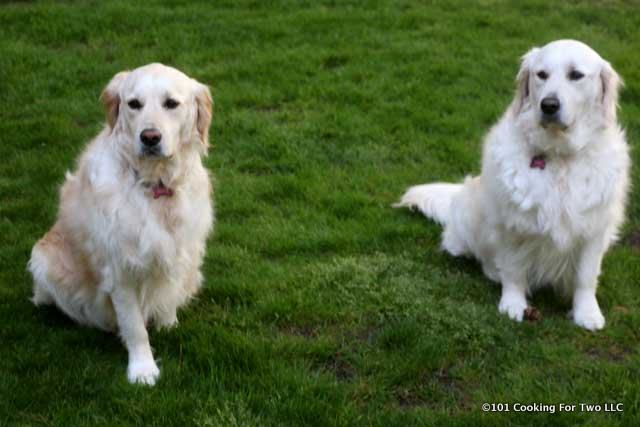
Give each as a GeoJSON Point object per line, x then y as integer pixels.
{"type": "Point", "coordinates": [160, 190]}
{"type": "Point", "coordinates": [538, 162]}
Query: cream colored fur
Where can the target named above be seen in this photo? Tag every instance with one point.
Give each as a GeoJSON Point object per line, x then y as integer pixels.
{"type": "Point", "coordinates": [117, 258]}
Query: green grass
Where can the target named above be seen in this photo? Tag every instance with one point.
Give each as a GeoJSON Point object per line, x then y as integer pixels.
{"type": "Point", "coordinates": [322, 305]}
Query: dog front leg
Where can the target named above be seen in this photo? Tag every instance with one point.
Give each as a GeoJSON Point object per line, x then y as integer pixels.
{"type": "Point", "coordinates": [513, 301]}
{"type": "Point", "coordinates": [586, 311]}
{"type": "Point", "coordinates": [142, 368]}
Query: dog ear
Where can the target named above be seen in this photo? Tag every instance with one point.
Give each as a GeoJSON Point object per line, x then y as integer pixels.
{"type": "Point", "coordinates": [611, 84]}
{"type": "Point", "coordinates": [522, 80]}
{"type": "Point", "coordinates": [110, 97]}
{"type": "Point", "coordinates": [204, 114]}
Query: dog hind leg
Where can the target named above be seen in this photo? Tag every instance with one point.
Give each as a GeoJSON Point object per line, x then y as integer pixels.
{"type": "Point", "coordinates": [62, 278]}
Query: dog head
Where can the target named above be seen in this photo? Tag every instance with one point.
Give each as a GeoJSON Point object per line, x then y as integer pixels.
{"type": "Point", "coordinates": [159, 110]}
{"type": "Point", "coordinates": [565, 82]}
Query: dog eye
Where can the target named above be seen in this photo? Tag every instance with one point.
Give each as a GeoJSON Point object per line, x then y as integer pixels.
{"type": "Point", "coordinates": [543, 75]}
{"type": "Point", "coordinates": [575, 75]}
{"type": "Point", "coordinates": [134, 104]}
{"type": "Point", "coordinates": [171, 104]}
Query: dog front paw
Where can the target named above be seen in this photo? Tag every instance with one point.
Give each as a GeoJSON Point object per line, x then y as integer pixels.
{"type": "Point", "coordinates": [144, 372]}
{"type": "Point", "coordinates": [592, 319]}
{"type": "Point", "coordinates": [586, 311]}
{"type": "Point", "coordinates": [513, 305]}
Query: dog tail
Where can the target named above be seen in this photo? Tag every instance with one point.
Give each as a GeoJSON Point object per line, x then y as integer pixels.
{"type": "Point", "coordinates": [433, 200]}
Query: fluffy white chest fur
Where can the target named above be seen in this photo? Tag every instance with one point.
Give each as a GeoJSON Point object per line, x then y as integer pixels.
{"type": "Point", "coordinates": [547, 214]}
{"type": "Point", "coordinates": [146, 231]}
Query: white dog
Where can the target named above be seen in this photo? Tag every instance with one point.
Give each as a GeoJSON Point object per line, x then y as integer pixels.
{"type": "Point", "coordinates": [133, 219]}
{"type": "Point", "coordinates": [553, 186]}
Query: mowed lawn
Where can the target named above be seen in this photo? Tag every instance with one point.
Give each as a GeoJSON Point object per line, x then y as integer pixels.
{"type": "Point", "coordinates": [322, 305]}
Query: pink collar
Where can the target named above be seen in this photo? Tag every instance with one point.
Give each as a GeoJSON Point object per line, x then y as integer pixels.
{"type": "Point", "coordinates": [538, 162]}
{"type": "Point", "coordinates": [160, 190]}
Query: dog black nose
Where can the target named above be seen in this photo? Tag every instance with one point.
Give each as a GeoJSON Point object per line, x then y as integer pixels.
{"type": "Point", "coordinates": [150, 137]}
{"type": "Point", "coordinates": [550, 105]}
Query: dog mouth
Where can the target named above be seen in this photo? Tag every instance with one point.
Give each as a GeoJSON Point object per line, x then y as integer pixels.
{"type": "Point", "coordinates": [154, 153]}
{"type": "Point", "coordinates": [553, 124]}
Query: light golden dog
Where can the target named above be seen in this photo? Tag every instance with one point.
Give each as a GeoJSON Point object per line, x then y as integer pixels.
{"type": "Point", "coordinates": [134, 218]}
